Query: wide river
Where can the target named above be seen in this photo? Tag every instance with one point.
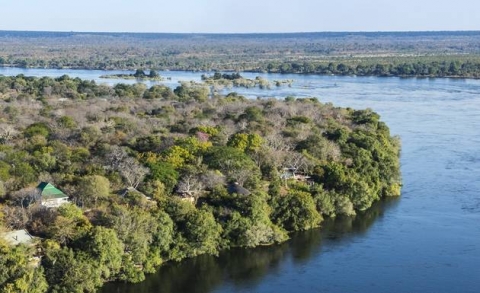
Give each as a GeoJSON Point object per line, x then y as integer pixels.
{"type": "Point", "coordinates": [428, 240]}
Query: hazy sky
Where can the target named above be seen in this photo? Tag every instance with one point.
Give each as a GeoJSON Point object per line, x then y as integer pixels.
{"type": "Point", "coordinates": [225, 16]}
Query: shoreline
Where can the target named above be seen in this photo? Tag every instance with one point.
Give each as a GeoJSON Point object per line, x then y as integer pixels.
{"type": "Point", "coordinates": [127, 77]}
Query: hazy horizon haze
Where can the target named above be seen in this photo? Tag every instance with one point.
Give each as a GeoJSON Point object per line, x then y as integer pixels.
{"type": "Point", "coordinates": [248, 16]}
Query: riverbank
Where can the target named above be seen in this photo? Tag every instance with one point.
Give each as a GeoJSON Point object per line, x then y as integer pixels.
{"type": "Point", "coordinates": [370, 71]}
{"type": "Point", "coordinates": [149, 182]}
{"type": "Point", "coordinates": [431, 231]}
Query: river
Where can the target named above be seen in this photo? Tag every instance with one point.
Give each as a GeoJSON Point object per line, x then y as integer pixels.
{"type": "Point", "coordinates": [428, 240]}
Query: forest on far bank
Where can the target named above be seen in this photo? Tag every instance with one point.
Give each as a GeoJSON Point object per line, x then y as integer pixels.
{"type": "Point", "coordinates": [423, 54]}
{"type": "Point", "coordinates": [155, 175]}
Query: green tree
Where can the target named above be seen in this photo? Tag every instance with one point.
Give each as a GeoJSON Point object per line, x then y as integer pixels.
{"type": "Point", "coordinates": [71, 272]}
{"type": "Point", "coordinates": [69, 225]}
{"type": "Point", "coordinates": [202, 232]}
{"type": "Point", "coordinates": [234, 163]}
{"type": "Point", "coordinates": [296, 211]}
{"type": "Point", "coordinates": [325, 201]}
{"type": "Point", "coordinates": [153, 74]}
{"type": "Point", "coordinates": [67, 122]}
{"type": "Point", "coordinates": [245, 142]}
{"type": "Point", "coordinates": [17, 274]}
{"type": "Point", "coordinates": [140, 233]}
{"type": "Point", "coordinates": [139, 73]}
{"type": "Point", "coordinates": [38, 128]}
{"type": "Point", "coordinates": [252, 113]}
{"type": "Point", "coordinates": [103, 245]}
{"type": "Point", "coordinates": [165, 173]}
{"type": "Point", "coordinates": [254, 227]}
{"type": "Point", "coordinates": [186, 92]}
{"type": "Point", "coordinates": [92, 188]}
{"type": "Point", "coordinates": [159, 92]}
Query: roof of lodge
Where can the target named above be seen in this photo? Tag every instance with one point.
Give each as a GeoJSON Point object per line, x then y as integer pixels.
{"type": "Point", "coordinates": [17, 237]}
{"type": "Point", "coordinates": [50, 191]}
{"type": "Point", "coordinates": [238, 189]}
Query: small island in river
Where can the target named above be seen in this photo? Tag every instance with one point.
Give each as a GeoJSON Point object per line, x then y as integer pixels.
{"type": "Point", "coordinates": [236, 80]}
{"type": "Point", "coordinates": [153, 175]}
{"type": "Point", "coordinates": [139, 74]}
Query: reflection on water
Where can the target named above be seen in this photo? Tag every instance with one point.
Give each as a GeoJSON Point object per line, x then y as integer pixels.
{"type": "Point", "coordinates": [246, 268]}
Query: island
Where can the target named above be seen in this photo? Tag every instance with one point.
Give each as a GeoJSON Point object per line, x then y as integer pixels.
{"type": "Point", "coordinates": [139, 74]}
{"type": "Point", "coordinates": [236, 80]}
{"type": "Point", "coordinates": [154, 175]}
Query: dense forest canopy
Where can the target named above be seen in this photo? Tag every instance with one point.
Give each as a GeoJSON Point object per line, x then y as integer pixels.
{"type": "Point", "coordinates": [156, 175]}
{"type": "Point", "coordinates": [453, 54]}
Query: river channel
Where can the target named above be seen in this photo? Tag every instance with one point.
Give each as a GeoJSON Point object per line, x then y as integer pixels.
{"type": "Point", "coordinates": [428, 240]}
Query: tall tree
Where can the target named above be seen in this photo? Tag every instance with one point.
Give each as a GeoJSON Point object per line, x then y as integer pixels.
{"type": "Point", "coordinates": [92, 188]}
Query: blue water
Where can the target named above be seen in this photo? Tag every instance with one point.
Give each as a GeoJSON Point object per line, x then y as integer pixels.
{"type": "Point", "coordinates": [426, 241]}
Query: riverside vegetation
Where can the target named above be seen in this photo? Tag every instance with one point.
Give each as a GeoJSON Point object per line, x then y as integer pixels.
{"type": "Point", "coordinates": [219, 80]}
{"type": "Point", "coordinates": [138, 75]}
{"type": "Point", "coordinates": [408, 54]}
{"type": "Point", "coordinates": [156, 175]}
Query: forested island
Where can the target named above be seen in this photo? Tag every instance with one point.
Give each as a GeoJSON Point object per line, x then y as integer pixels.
{"type": "Point", "coordinates": [139, 74]}
{"type": "Point", "coordinates": [108, 183]}
{"type": "Point", "coordinates": [236, 80]}
{"type": "Point", "coordinates": [404, 54]}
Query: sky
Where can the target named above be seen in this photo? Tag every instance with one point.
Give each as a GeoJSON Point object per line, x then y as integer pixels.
{"type": "Point", "coordinates": [240, 16]}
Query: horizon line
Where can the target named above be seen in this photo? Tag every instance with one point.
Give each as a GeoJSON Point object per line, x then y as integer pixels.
{"type": "Point", "coordinates": [243, 33]}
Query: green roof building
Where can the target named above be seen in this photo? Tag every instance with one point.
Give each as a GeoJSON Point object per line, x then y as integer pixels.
{"type": "Point", "coordinates": [51, 196]}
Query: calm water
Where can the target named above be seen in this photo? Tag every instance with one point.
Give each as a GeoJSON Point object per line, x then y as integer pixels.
{"type": "Point", "coordinates": [426, 241]}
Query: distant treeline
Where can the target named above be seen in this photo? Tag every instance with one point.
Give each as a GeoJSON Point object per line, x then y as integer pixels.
{"type": "Point", "coordinates": [437, 54]}
{"type": "Point", "coordinates": [445, 68]}
{"type": "Point", "coordinates": [424, 68]}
